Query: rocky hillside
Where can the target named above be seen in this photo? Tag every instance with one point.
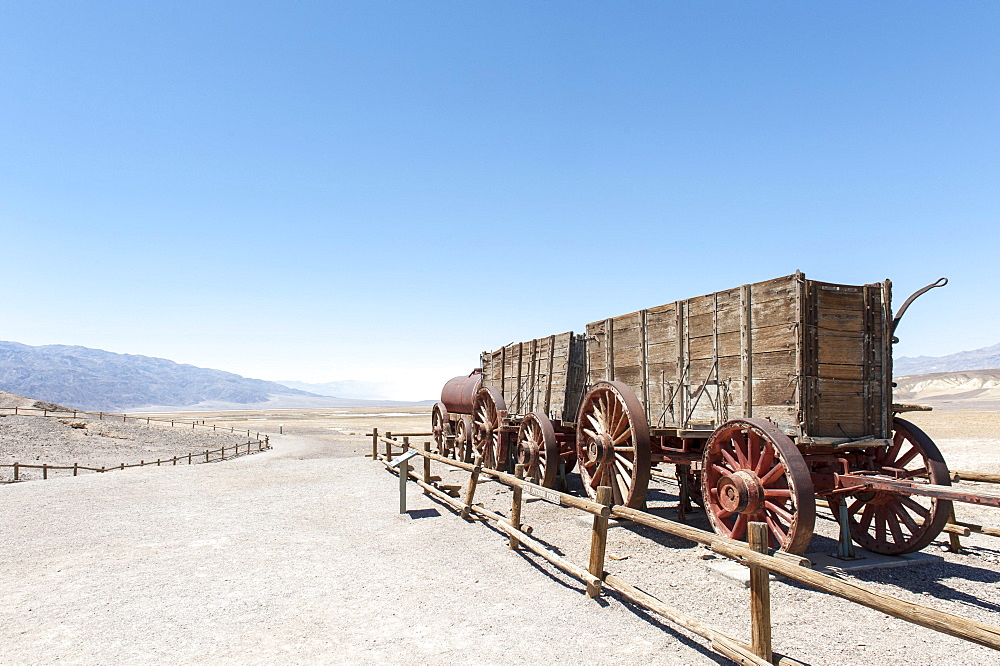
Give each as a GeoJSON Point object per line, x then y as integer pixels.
{"type": "Point", "coordinates": [977, 359]}
{"type": "Point", "coordinates": [93, 379]}
{"type": "Point", "coordinates": [971, 389]}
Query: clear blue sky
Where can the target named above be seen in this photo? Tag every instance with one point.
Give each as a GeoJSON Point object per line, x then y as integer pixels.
{"type": "Point", "coordinates": [380, 191]}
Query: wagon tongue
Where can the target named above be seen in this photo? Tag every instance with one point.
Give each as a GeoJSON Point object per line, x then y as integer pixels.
{"type": "Point", "coordinates": [854, 483]}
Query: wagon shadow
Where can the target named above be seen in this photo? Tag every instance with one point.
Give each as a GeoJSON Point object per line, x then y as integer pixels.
{"type": "Point", "coordinates": [927, 579]}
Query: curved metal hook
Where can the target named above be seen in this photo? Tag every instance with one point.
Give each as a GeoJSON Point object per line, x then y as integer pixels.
{"type": "Point", "coordinates": [940, 282]}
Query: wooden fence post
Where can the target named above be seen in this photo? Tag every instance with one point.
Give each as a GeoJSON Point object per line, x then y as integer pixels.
{"type": "Point", "coordinates": [404, 475]}
{"type": "Point", "coordinates": [123, 467]}
{"type": "Point", "coordinates": [388, 447]}
{"type": "Point", "coordinates": [16, 477]}
{"type": "Point", "coordinates": [189, 457]}
{"type": "Point", "coordinates": [45, 470]}
{"type": "Point", "coordinates": [599, 542]}
{"type": "Point", "coordinates": [374, 443]}
{"type": "Point", "coordinates": [427, 468]}
{"type": "Point", "coordinates": [175, 460]}
{"type": "Point", "coordinates": [470, 491]}
{"type": "Point", "coordinates": [102, 415]}
{"type": "Point", "coordinates": [954, 543]}
{"type": "Point", "coordinates": [76, 468]}
{"type": "Point", "coordinates": [206, 455]}
{"type": "Point", "coordinates": [760, 594]}
{"type": "Point", "coordinates": [515, 506]}
{"type": "Point", "coordinates": [223, 452]}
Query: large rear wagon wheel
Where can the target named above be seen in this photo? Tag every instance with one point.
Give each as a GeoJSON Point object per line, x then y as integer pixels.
{"type": "Point", "coordinates": [754, 472]}
{"type": "Point", "coordinates": [538, 450]}
{"type": "Point", "coordinates": [612, 443]}
{"type": "Point", "coordinates": [488, 413]}
{"type": "Point", "coordinates": [893, 524]}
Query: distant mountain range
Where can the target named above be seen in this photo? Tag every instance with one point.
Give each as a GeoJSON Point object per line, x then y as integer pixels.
{"type": "Point", "coordinates": [978, 359]}
{"type": "Point", "coordinates": [971, 389]}
{"type": "Point", "coordinates": [97, 380]}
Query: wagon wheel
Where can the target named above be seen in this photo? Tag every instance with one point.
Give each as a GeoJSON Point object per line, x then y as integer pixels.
{"type": "Point", "coordinates": [754, 472]}
{"type": "Point", "coordinates": [488, 412]}
{"type": "Point", "coordinates": [893, 524]}
{"type": "Point", "coordinates": [538, 450]}
{"type": "Point", "coordinates": [463, 438]}
{"type": "Point", "coordinates": [612, 443]}
{"type": "Point", "coordinates": [440, 427]}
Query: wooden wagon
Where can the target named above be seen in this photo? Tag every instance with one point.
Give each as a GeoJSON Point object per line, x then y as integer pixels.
{"type": "Point", "coordinates": [765, 398]}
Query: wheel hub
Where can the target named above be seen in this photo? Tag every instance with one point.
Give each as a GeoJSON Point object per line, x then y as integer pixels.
{"type": "Point", "coordinates": [600, 449]}
{"type": "Point", "coordinates": [741, 492]}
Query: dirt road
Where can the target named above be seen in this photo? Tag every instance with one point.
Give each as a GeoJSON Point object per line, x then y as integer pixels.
{"type": "Point", "coordinates": [297, 555]}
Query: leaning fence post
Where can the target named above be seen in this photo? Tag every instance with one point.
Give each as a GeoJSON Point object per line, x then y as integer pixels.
{"type": "Point", "coordinates": [374, 443]}
{"type": "Point", "coordinates": [470, 491]}
{"type": "Point", "coordinates": [515, 507]}
{"type": "Point", "coordinates": [599, 542]}
{"type": "Point", "coordinates": [760, 594]}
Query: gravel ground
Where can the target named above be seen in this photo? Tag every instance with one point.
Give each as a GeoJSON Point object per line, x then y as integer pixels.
{"type": "Point", "coordinates": [93, 442]}
{"type": "Point", "coordinates": [298, 555]}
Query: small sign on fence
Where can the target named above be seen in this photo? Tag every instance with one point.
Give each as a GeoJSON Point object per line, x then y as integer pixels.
{"type": "Point", "coordinates": [543, 493]}
{"type": "Point", "coordinates": [403, 458]}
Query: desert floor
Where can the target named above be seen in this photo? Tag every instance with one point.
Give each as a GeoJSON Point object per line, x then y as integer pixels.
{"type": "Point", "coordinates": [299, 555]}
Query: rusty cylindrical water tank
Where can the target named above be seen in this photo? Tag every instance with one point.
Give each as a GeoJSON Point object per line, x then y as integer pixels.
{"type": "Point", "coordinates": [458, 394]}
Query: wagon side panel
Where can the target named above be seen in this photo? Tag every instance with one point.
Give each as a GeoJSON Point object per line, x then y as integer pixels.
{"type": "Point", "coordinates": [661, 366]}
{"type": "Point", "coordinates": [772, 346]}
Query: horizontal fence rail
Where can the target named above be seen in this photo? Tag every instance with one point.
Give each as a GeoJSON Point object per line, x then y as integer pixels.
{"type": "Point", "coordinates": [755, 555]}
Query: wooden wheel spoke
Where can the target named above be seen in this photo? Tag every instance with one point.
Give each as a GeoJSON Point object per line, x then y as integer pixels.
{"type": "Point", "coordinates": [776, 473]}
{"type": "Point", "coordinates": [911, 474]}
{"type": "Point", "coordinates": [894, 528]}
{"type": "Point", "coordinates": [623, 436]}
{"type": "Point", "coordinates": [779, 511]}
{"type": "Point", "coordinates": [910, 455]}
{"type": "Point", "coordinates": [765, 461]}
{"type": "Point", "coordinates": [905, 516]}
{"type": "Point", "coordinates": [733, 465]}
{"type": "Point", "coordinates": [722, 470]}
{"type": "Point", "coordinates": [919, 509]}
{"type": "Point", "coordinates": [625, 461]}
{"type": "Point", "coordinates": [737, 441]}
{"type": "Point", "coordinates": [779, 533]}
{"type": "Point", "coordinates": [855, 505]}
{"type": "Point", "coordinates": [897, 442]}
{"type": "Point", "coordinates": [880, 523]}
{"type": "Point", "coordinates": [754, 449]}
{"type": "Point", "coordinates": [777, 492]}
{"type": "Point", "coordinates": [866, 516]}
{"type": "Point", "coordinates": [739, 527]}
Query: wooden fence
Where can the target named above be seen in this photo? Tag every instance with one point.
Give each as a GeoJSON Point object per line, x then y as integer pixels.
{"type": "Point", "coordinates": [109, 416]}
{"type": "Point", "coordinates": [209, 455]}
{"type": "Point", "coordinates": [190, 459]}
{"type": "Point", "coordinates": [755, 555]}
